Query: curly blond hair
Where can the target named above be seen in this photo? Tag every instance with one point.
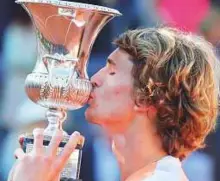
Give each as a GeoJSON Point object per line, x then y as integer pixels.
{"type": "Point", "coordinates": [174, 72]}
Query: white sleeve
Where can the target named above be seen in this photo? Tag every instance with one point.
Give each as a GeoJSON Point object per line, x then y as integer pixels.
{"type": "Point", "coordinates": [163, 176]}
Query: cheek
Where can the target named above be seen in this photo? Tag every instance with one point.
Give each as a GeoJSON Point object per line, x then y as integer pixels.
{"type": "Point", "coordinates": [118, 87]}
{"type": "Point", "coordinates": [116, 91]}
{"type": "Point", "coordinates": [117, 95]}
{"type": "Point", "coordinates": [115, 99]}
{"type": "Point", "coordinates": [122, 90]}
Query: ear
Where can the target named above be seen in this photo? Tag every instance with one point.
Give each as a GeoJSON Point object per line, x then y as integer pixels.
{"type": "Point", "coordinates": [144, 108]}
{"type": "Point", "coordinates": [141, 107]}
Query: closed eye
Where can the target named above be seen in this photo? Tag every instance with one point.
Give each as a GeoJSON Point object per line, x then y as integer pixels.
{"type": "Point", "coordinates": [112, 73]}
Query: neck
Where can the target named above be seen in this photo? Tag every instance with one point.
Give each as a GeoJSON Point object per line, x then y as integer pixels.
{"type": "Point", "coordinates": [137, 147]}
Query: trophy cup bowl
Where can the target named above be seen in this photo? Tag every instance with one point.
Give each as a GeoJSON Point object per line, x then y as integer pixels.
{"type": "Point", "coordinates": [65, 34]}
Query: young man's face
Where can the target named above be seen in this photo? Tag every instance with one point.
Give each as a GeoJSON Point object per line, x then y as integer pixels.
{"type": "Point", "coordinates": [111, 104]}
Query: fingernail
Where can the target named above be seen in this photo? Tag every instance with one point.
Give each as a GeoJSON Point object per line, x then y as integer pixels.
{"type": "Point", "coordinates": [82, 141]}
{"type": "Point", "coordinates": [76, 133]}
{"type": "Point", "coordinates": [37, 131]}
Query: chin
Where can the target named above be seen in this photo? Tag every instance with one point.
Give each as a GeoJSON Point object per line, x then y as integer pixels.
{"type": "Point", "coordinates": [90, 115]}
{"type": "Point", "coordinates": [93, 116]}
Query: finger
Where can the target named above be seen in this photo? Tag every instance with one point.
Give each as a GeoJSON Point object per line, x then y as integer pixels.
{"type": "Point", "coordinates": [19, 154]}
{"type": "Point", "coordinates": [11, 173]}
{"type": "Point", "coordinates": [38, 141]}
{"type": "Point", "coordinates": [54, 143]}
{"type": "Point", "coordinates": [68, 149]}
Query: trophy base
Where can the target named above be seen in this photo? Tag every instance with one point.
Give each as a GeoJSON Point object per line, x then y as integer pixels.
{"type": "Point", "coordinates": [72, 168]}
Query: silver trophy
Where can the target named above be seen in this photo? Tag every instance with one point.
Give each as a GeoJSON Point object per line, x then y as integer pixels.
{"type": "Point", "coordinates": [65, 34]}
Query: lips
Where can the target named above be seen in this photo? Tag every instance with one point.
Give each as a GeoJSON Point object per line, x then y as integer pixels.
{"type": "Point", "coordinates": [91, 97]}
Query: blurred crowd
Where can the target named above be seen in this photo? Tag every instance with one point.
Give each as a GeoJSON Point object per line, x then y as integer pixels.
{"type": "Point", "coordinates": [18, 55]}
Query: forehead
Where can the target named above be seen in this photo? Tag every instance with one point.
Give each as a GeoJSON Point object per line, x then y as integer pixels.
{"type": "Point", "coordinates": [121, 59]}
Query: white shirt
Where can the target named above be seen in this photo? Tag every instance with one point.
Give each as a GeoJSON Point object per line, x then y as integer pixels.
{"type": "Point", "coordinates": [167, 169]}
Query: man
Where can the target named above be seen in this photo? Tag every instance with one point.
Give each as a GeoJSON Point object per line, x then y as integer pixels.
{"type": "Point", "coordinates": [157, 97]}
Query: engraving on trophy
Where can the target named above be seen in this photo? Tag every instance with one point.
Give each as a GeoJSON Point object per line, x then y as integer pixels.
{"type": "Point", "coordinates": [60, 94]}
{"type": "Point", "coordinates": [67, 12]}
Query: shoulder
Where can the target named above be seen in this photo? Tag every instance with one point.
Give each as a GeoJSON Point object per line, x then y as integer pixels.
{"type": "Point", "coordinates": [168, 169]}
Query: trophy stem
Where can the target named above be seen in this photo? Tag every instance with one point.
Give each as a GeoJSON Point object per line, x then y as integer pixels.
{"type": "Point", "coordinates": [56, 117]}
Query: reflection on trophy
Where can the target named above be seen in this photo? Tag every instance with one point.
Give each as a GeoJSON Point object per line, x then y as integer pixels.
{"type": "Point", "coordinates": [65, 33]}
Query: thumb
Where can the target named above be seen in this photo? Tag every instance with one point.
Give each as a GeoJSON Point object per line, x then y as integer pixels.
{"type": "Point", "coordinates": [11, 173]}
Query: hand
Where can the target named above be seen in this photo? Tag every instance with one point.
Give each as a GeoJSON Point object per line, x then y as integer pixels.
{"type": "Point", "coordinates": [43, 164]}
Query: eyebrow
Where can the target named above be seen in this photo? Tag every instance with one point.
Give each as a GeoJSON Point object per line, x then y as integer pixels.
{"type": "Point", "coordinates": [111, 62]}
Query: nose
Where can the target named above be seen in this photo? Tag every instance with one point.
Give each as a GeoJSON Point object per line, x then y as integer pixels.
{"type": "Point", "coordinates": [94, 85]}
{"type": "Point", "coordinates": [96, 80]}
